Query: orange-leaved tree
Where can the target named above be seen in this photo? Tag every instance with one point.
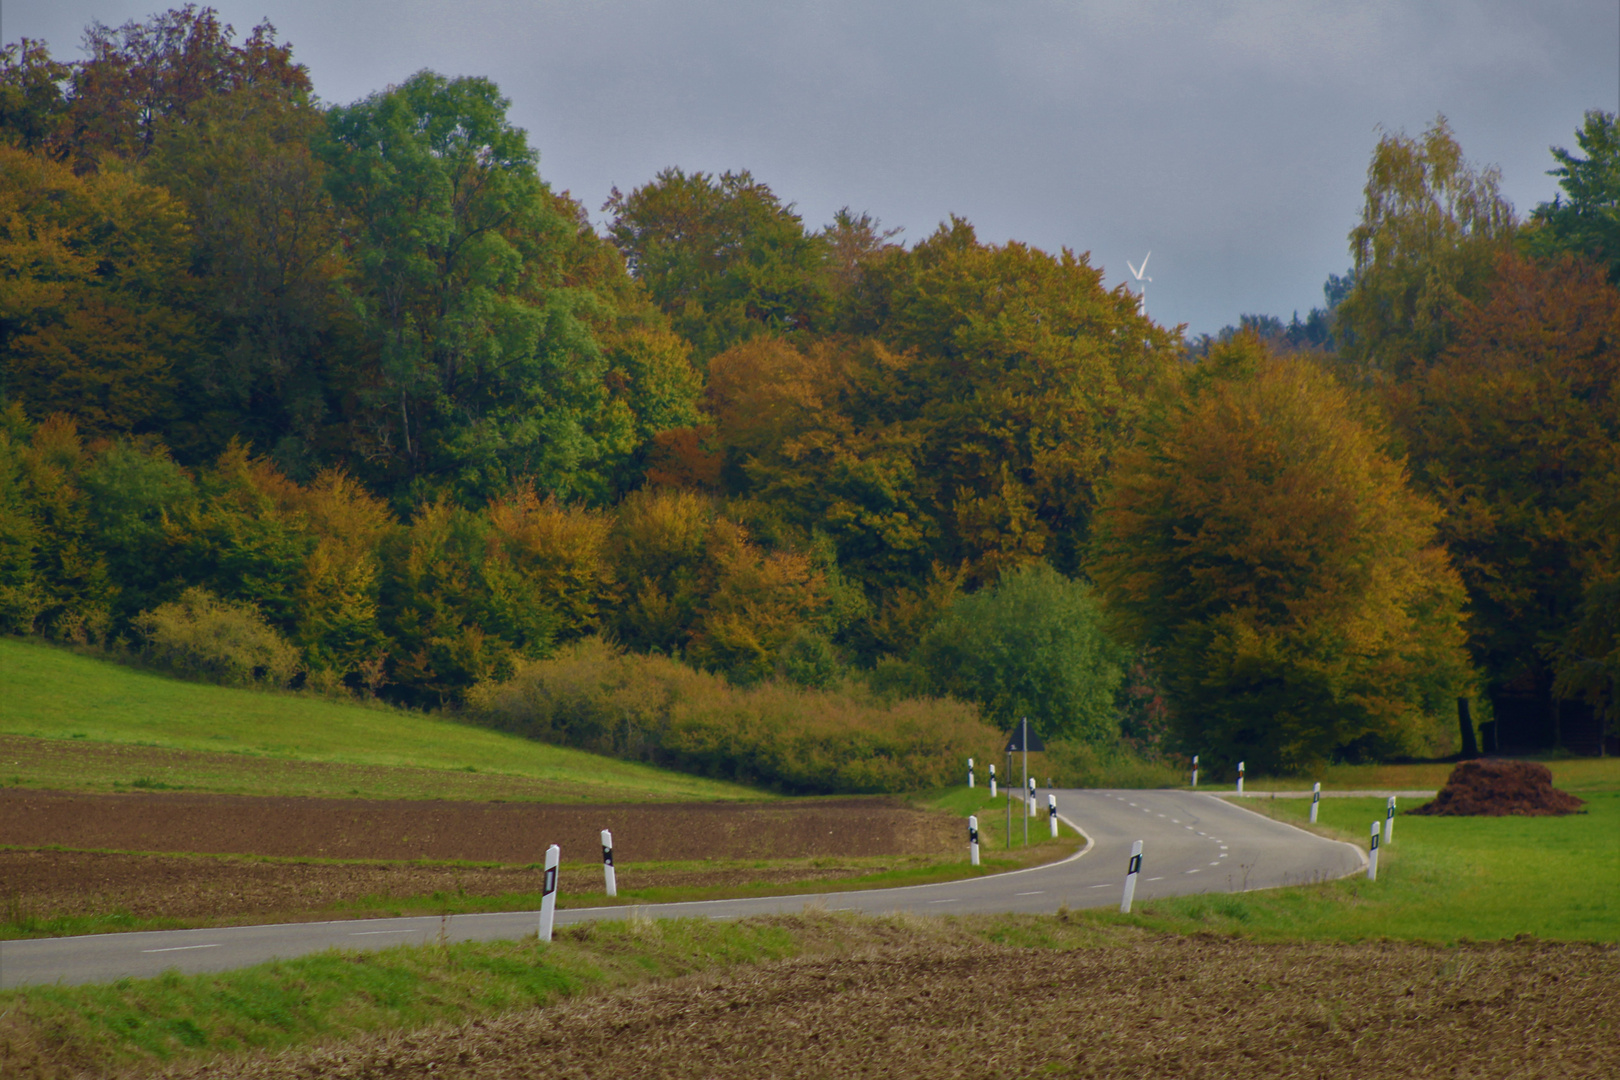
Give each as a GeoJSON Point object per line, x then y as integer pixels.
{"type": "Point", "coordinates": [1260, 538]}
{"type": "Point", "coordinates": [1516, 432]}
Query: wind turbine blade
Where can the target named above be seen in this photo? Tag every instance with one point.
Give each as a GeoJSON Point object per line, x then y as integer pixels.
{"type": "Point", "coordinates": [1137, 274]}
{"type": "Point", "coordinates": [1145, 258]}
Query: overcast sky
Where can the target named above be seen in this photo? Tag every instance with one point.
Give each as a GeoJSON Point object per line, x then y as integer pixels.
{"type": "Point", "coordinates": [1230, 138]}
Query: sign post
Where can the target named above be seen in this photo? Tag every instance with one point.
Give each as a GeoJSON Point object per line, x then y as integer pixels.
{"type": "Point", "coordinates": [1316, 799]}
{"type": "Point", "coordinates": [1195, 770]}
{"type": "Point", "coordinates": [973, 839]}
{"type": "Point", "coordinates": [1024, 740]}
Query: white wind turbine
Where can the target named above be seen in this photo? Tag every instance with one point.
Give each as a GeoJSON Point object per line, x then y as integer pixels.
{"type": "Point", "coordinates": [1141, 280]}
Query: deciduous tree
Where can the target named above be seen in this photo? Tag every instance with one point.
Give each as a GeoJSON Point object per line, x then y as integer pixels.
{"type": "Point", "coordinates": [1260, 539]}
{"type": "Point", "coordinates": [1430, 231]}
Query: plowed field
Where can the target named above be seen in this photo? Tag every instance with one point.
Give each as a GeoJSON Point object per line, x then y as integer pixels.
{"type": "Point", "coordinates": [196, 857]}
{"type": "Point", "coordinates": [201, 890]}
{"type": "Point", "coordinates": [1180, 1007]}
{"type": "Point", "coordinates": [480, 832]}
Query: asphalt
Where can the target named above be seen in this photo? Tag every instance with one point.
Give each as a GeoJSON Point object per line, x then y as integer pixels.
{"type": "Point", "coordinates": [1193, 842]}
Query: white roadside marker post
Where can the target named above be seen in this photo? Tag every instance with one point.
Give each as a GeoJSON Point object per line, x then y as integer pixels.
{"type": "Point", "coordinates": [970, 772]}
{"type": "Point", "coordinates": [1133, 868]}
{"type": "Point", "coordinates": [548, 892]}
{"type": "Point", "coordinates": [1372, 855]}
{"type": "Point", "coordinates": [1195, 770]}
{"type": "Point", "coordinates": [607, 864]}
{"type": "Point", "coordinates": [992, 781]}
{"type": "Point", "coordinates": [1316, 799]}
{"type": "Point", "coordinates": [1051, 812]}
{"type": "Point", "coordinates": [1389, 821]}
{"type": "Point", "coordinates": [1240, 776]}
{"type": "Point", "coordinates": [973, 839]}
{"type": "Point", "coordinates": [1032, 811]}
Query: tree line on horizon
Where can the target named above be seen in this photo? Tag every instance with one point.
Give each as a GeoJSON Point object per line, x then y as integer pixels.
{"type": "Point", "coordinates": [356, 376]}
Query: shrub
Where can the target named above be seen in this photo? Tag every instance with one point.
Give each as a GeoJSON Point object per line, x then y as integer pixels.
{"type": "Point", "coordinates": [1031, 646]}
{"type": "Point", "coordinates": [655, 709]}
{"type": "Point", "coordinates": [203, 637]}
{"type": "Point", "coordinates": [1117, 765]}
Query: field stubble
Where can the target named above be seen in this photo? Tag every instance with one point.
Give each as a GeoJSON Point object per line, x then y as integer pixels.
{"type": "Point", "coordinates": [911, 997]}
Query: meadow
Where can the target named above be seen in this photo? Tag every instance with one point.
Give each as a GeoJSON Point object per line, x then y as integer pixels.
{"type": "Point", "coordinates": [1442, 879]}
{"type": "Point", "coordinates": [123, 727]}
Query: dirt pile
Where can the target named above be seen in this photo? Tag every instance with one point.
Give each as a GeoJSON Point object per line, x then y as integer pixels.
{"type": "Point", "coordinates": [1500, 789]}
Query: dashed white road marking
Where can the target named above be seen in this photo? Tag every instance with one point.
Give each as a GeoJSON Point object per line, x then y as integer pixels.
{"type": "Point", "coordinates": [182, 948]}
{"type": "Point", "coordinates": [373, 933]}
{"type": "Point", "coordinates": [1037, 892]}
{"type": "Point", "coordinates": [1195, 870]}
{"type": "Point", "coordinates": [1159, 878]}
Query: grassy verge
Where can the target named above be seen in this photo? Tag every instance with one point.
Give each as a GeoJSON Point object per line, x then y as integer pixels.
{"type": "Point", "coordinates": [906, 991]}
{"type": "Point", "coordinates": [294, 1002]}
{"type": "Point", "coordinates": [54, 694]}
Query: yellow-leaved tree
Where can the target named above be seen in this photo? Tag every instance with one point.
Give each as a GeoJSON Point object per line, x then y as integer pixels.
{"type": "Point", "coordinates": [1261, 538]}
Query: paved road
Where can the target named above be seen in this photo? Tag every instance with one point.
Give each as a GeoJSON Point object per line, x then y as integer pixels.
{"type": "Point", "coordinates": [1192, 842]}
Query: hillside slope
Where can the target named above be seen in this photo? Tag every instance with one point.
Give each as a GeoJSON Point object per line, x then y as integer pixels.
{"type": "Point", "coordinates": [73, 721]}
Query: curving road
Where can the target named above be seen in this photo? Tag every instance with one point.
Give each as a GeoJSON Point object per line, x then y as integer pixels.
{"type": "Point", "coordinates": [1192, 843]}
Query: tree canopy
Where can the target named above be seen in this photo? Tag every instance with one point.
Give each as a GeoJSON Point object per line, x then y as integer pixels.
{"type": "Point", "coordinates": [1262, 542]}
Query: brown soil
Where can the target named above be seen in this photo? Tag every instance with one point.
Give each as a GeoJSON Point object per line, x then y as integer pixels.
{"type": "Point", "coordinates": [1500, 788]}
{"type": "Point", "coordinates": [1183, 1007]}
{"type": "Point", "coordinates": [200, 890]}
{"type": "Point", "coordinates": [477, 832]}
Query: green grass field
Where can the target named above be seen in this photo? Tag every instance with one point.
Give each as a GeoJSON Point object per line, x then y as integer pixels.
{"type": "Point", "coordinates": [1430, 776]}
{"type": "Point", "coordinates": [1443, 879]}
{"type": "Point", "coordinates": [248, 742]}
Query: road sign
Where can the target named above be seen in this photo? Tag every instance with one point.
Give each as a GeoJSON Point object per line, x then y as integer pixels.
{"type": "Point", "coordinates": [1020, 735]}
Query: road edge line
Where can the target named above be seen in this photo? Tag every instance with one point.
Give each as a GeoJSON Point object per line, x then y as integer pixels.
{"type": "Point", "coordinates": [1362, 855]}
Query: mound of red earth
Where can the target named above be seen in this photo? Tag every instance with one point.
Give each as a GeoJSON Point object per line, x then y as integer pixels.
{"type": "Point", "coordinates": [1501, 788]}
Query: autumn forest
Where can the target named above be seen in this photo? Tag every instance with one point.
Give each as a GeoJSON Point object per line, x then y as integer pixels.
{"type": "Point", "coordinates": [347, 399]}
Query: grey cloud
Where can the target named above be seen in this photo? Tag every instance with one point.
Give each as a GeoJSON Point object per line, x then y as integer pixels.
{"type": "Point", "coordinates": [1231, 138]}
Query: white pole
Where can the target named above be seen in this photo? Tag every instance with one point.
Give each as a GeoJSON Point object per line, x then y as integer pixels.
{"type": "Point", "coordinates": [1195, 770]}
{"type": "Point", "coordinates": [970, 772]}
{"type": "Point", "coordinates": [1240, 776]}
{"type": "Point", "coordinates": [607, 864]}
{"type": "Point", "coordinates": [1131, 870]}
{"type": "Point", "coordinates": [992, 781]}
{"type": "Point", "coordinates": [1032, 811]}
{"type": "Point", "coordinates": [973, 840]}
{"type": "Point", "coordinates": [1372, 855]}
{"type": "Point", "coordinates": [1389, 821]}
{"type": "Point", "coordinates": [548, 892]}
{"type": "Point", "coordinates": [1316, 799]}
{"type": "Point", "coordinates": [1051, 812]}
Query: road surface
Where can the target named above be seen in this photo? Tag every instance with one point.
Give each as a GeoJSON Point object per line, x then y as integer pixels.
{"type": "Point", "coordinates": [1193, 842]}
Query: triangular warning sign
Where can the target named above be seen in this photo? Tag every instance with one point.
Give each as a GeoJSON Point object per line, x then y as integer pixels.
{"type": "Point", "coordinates": [1025, 732]}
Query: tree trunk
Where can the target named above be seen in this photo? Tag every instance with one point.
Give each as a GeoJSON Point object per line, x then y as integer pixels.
{"type": "Point", "coordinates": [1465, 724]}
